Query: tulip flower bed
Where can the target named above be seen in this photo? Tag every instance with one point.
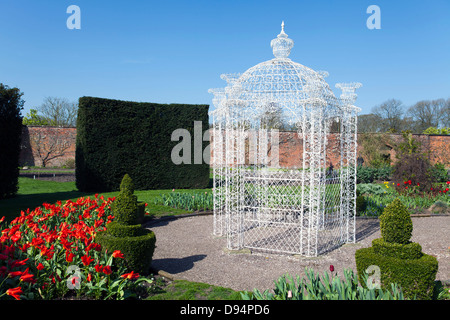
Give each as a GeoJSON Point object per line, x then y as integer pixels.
{"type": "Point", "coordinates": [413, 196]}
{"type": "Point", "coordinates": [51, 253]}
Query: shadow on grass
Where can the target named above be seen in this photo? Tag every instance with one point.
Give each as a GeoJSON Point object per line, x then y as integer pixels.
{"type": "Point", "coordinates": [11, 208]}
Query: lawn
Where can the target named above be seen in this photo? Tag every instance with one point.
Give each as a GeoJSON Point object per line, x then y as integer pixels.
{"type": "Point", "coordinates": [33, 192]}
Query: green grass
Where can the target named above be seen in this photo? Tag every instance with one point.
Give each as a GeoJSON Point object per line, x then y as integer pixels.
{"type": "Point", "coordinates": [32, 193]}
{"type": "Point", "coordinates": [186, 290]}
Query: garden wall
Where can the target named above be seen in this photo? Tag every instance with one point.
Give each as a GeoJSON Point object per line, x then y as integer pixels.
{"type": "Point", "coordinates": [53, 145]}
{"type": "Point", "coordinates": [290, 147]}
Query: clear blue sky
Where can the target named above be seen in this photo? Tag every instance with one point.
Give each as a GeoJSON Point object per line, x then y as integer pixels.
{"type": "Point", "coordinates": [174, 51]}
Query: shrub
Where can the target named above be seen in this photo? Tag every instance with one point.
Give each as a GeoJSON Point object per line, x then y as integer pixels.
{"type": "Point", "coordinates": [11, 104]}
{"type": "Point", "coordinates": [413, 165]}
{"type": "Point", "coordinates": [361, 203]}
{"type": "Point", "coordinates": [117, 137]}
{"type": "Point", "coordinates": [395, 223]}
{"type": "Point", "coordinates": [414, 168]}
{"type": "Point", "coordinates": [400, 261]}
{"type": "Point", "coordinates": [411, 250]}
{"type": "Point", "coordinates": [137, 250]}
{"type": "Point", "coordinates": [126, 234]}
{"type": "Point", "coordinates": [69, 164]}
{"type": "Point", "coordinates": [415, 276]}
{"type": "Point", "coordinates": [439, 173]}
{"type": "Point", "coordinates": [365, 174]}
{"type": "Point", "coordinates": [368, 174]}
{"type": "Point", "coordinates": [434, 130]}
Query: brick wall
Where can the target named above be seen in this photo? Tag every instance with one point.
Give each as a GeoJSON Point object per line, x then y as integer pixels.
{"type": "Point", "coordinates": [38, 141]}
{"type": "Point", "coordinates": [52, 145]}
{"type": "Point", "coordinates": [290, 146]}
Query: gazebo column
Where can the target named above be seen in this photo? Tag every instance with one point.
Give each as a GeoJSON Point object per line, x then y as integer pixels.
{"type": "Point", "coordinates": [348, 138]}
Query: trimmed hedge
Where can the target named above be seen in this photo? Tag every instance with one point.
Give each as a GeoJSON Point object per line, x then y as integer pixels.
{"type": "Point", "coordinates": [400, 261]}
{"type": "Point", "coordinates": [125, 233]}
{"type": "Point", "coordinates": [138, 251]}
{"type": "Point", "coordinates": [11, 105]}
{"type": "Point", "coordinates": [395, 223]}
{"type": "Point", "coordinates": [411, 250]}
{"type": "Point", "coordinates": [415, 276]}
{"type": "Point", "coordinates": [121, 230]}
{"type": "Point", "coordinates": [116, 137]}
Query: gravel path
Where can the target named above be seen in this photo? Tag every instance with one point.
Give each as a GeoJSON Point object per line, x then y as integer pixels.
{"type": "Point", "coordinates": [187, 249]}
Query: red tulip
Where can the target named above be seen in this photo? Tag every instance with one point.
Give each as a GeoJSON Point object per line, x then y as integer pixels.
{"type": "Point", "coordinates": [117, 254]}
{"type": "Point", "coordinates": [98, 268]}
{"type": "Point", "coordinates": [69, 256]}
{"type": "Point", "coordinates": [331, 268]}
{"type": "Point", "coordinates": [28, 277]}
{"type": "Point", "coordinates": [13, 274]}
{"type": "Point", "coordinates": [14, 292]}
{"type": "Point", "coordinates": [107, 270]}
{"type": "Point", "coordinates": [86, 260]}
{"type": "Point", "coordinates": [130, 275]}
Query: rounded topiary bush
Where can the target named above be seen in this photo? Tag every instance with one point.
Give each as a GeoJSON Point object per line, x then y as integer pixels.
{"type": "Point", "coordinates": [395, 223]}
{"type": "Point", "coordinates": [400, 260]}
{"type": "Point", "coordinates": [137, 250]}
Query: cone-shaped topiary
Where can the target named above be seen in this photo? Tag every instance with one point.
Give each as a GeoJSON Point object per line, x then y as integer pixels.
{"type": "Point", "coordinates": [127, 184]}
{"type": "Point", "coordinates": [395, 223]}
{"type": "Point", "coordinates": [125, 207]}
{"type": "Point", "coordinates": [125, 233]}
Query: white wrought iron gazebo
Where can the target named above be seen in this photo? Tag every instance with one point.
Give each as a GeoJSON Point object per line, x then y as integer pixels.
{"type": "Point", "coordinates": [258, 203]}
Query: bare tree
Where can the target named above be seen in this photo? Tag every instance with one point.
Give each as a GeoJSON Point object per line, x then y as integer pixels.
{"type": "Point", "coordinates": [59, 111]}
{"type": "Point", "coordinates": [50, 143]}
{"type": "Point", "coordinates": [390, 112]}
{"type": "Point", "coordinates": [369, 123]}
{"type": "Point", "coordinates": [446, 114]}
{"type": "Point", "coordinates": [428, 113]}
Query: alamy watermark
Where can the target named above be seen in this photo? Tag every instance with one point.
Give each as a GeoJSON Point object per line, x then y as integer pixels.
{"type": "Point", "coordinates": [374, 21]}
{"type": "Point", "coordinates": [259, 148]}
{"type": "Point", "coordinates": [374, 278]}
{"type": "Point", "coordinates": [74, 20]}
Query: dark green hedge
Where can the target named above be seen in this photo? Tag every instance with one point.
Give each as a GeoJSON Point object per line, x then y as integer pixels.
{"type": "Point", "coordinates": [137, 250]}
{"type": "Point", "coordinates": [11, 105]}
{"type": "Point", "coordinates": [117, 137]}
{"type": "Point", "coordinates": [122, 230]}
{"type": "Point", "coordinates": [415, 276]}
{"type": "Point", "coordinates": [411, 250]}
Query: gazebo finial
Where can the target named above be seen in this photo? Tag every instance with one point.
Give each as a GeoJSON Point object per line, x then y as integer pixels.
{"type": "Point", "coordinates": [282, 45]}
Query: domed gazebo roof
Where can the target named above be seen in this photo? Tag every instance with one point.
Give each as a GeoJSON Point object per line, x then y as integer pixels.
{"type": "Point", "coordinates": [281, 78]}
{"type": "Point", "coordinates": [279, 82]}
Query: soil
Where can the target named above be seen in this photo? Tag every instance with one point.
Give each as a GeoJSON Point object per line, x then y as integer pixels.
{"type": "Point", "coordinates": [187, 249]}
